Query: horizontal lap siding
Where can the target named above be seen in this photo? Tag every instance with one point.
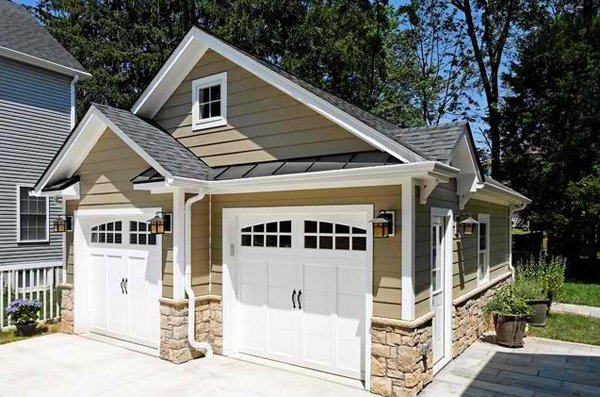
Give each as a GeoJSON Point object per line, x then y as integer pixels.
{"type": "Point", "coordinates": [105, 183]}
{"type": "Point", "coordinates": [35, 118]}
{"type": "Point", "coordinates": [264, 123]}
{"type": "Point", "coordinates": [387, 252]}
{"type": "Point", "coordinates": [199, 247]}
{"type": "Point", "coordinates": [465, 272]}
{"type": "Point", "coordinates": [444, 196]}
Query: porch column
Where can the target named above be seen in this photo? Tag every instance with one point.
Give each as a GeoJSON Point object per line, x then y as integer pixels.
{"type": "Point", "coordinates": [178, 230]}
{"type": "Point", "coordinates": [408, 248]}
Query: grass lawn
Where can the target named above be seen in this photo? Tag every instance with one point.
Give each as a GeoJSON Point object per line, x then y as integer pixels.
{"type": "Point", "coordinates": [581, 294]}
{"type": "Point", "coordinates": [570, 328]}
{"type": "Point", "coordinates": [43, 329]}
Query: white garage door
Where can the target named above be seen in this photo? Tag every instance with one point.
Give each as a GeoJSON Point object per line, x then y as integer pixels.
{"type": "Point", "coordinates": [301, 289]}
{"type": "Point", "coordinates": [123, 278]}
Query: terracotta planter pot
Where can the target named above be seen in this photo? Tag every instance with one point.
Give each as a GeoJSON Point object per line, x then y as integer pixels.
{"type": "Point", "coordinates": [28, 329]}
{"type": "Point", "coordinates": [540, 312]}
{"type": "Point", "coordinates": [509, 329]}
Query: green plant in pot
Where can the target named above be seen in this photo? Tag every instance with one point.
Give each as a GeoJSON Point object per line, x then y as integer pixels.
{"type": "Point", "coordinates": [23, 314]}
{"type": "Point", "coordinates": [510, 313]}
{"type": "Point", "coordinates": [533, 292]}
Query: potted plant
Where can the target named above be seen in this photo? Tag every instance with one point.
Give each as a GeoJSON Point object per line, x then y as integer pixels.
{"type": "Point", "coordinates": [510, 312]}
{"type": "Point", "coordinates": [532, 290]}
{"type": "Point", "coordinates": [24, 315]}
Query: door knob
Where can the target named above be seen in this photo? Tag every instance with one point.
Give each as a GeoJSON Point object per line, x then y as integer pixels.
{"type": "Point", "coordinates": [294, 296]}
{"type": "Point", "coordinates": [126, 293]}
{"type": "Point", "coordinates": [299, 303]}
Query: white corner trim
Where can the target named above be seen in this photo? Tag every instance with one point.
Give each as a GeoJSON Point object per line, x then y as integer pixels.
{"type": "Point", "coordinates": [74, 101]}
{"type": "Point", "coordinates": [165, 81]}
{"type": "Point", "coordinates": [178, 235]}
{"type": "Point", "coordinates": [408, 249]}
{"type": "Point", "coordinates": [18, 214]}
{"type": "Point", "coordinates": [205, 82]}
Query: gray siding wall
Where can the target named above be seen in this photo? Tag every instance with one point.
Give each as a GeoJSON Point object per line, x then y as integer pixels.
{"type": "Point", "coordinates": [35, 118]}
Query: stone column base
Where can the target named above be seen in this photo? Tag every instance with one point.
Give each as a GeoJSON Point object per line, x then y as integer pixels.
{"type": "Point", "coordinates": [209, 321]}
{"type": "Point", "coordinates": [401, 356]}
{"type": "Point", "coordinates": [66, 309]}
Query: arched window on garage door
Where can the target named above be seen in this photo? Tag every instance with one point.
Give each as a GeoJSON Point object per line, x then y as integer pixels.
{"type": "Point", "coordinates": [107, 233]}
{"type": "Point", "coordinates": [334, 236]}
{"type": "Point", "coordinates": [271, 234]}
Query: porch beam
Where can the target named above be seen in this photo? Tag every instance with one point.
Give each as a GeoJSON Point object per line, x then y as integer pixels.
{"type": "Point", "coordinates": [178, 230]}
{"type": "Point", "coordinates": [408, 248]}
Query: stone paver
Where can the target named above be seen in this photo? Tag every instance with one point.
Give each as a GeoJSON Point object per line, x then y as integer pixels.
{"type": "Point", "coordinates": [589, 311]}
{"type": "Point", "coordinates": [543, 368]}
{"type": "Point", "coordinates": [66, 365]}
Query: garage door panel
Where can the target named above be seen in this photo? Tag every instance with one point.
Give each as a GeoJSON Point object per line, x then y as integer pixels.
{"type": "Point", "coordinates": [350, 314]}
{"type": "Point", "coordinates": [139, 297]}
{"type": "Point", "coordinates": [317, 350]}
{"type": "Point", "coordinates": [117, 300]}
{"type": "Point", "coordinates": [254, 272]}
{"type": "Point", "coordinates": [351, 280]}
{"type": "Point", "coordinates": [97, 290]}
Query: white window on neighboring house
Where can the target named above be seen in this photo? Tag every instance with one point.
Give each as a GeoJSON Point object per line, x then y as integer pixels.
{"type": "Point", "coordinates": [32, 216]}
{"type": "Point", "coordinates": [483, 249]}
{"type": "Point", "coordinates": [209, 99]}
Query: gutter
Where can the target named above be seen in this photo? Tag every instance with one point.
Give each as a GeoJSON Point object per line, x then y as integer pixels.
{"type": "Point", "coordinates": [202, 347]}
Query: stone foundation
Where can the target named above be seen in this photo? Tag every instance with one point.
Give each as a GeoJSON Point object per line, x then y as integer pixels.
{"type": "Point", "coordinates": [174, 344]}
{"type": "Point", "coordinates": [66, 308]}
{"type": "Point", "coordinates": [468, 321]}
{"type": "Point", "coordinates": [401, 356]}
{"type": "Point", "coordinates": [209, 321]}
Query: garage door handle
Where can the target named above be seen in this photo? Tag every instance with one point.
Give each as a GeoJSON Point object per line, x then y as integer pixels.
{"type": "Point", "coordinates": [122, 286]}
{"type": "Point", "coordinates": [293, 297]}
{"type": "Point", "coordinates": [299, 303]}
{"type": "Point", "coordinates": [126, 286]}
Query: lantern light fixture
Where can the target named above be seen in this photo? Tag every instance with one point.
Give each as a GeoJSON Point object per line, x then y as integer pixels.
{"type": "Point", "coordinates": [160, 223]}
{"type": "Point", "coordinates": [60, 225]}
{"type": "Point", "coordinates": [381, 225]}
{"type": "Point", "coordinates": [469, 226]}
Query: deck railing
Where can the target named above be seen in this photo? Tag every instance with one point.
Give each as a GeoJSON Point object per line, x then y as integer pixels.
{"type": "Point", "coordinates": [31, 281]}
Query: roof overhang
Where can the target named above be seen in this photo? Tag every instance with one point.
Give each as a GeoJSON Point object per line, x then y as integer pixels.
{"type": "Point", "coordinates": [426, 173]}
{"type": "Point", "coordinates": [43, 63]}
{"type": "Point", "coordinates": [496, 194]}
{"type": "Point", "coordinates": [79, 144]}
{"type": "Point", "coordinates": [195, 44]}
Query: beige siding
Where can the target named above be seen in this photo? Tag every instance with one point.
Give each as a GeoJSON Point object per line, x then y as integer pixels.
{"type": "Point", "coordinates": [105, 183]}
{"type": "Point", "coordinates": [387, 252]}
{"type": "Point", "coordinates": [264, 123]}
{"type": "Point", "coordinates": [199, 247]}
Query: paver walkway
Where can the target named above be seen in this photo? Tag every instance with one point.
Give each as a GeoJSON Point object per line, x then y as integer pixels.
{"type": "Point", "coordinates": [589, 311]}
{"type": "Point", "coordinates": [543, 368]}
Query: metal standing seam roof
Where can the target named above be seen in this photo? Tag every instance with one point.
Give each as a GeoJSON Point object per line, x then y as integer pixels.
{"type": "Point", "coordinates": [20, 32]}
{"type": "Point", "coordinates": [166, 150]}
{"type": "Point", "coordinates": [287, 167]}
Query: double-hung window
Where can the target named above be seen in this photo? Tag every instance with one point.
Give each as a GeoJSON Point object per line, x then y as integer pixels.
{"type": "Point", "coordinates": [209, 99]}
{"type": "Point", "coordinates": [32, 216]}
{"type": "Point", "coordinates": [483, 249]}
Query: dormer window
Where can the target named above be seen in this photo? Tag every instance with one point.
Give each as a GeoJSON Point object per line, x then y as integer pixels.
{"type": "Point", "coordinates": [209, 98]}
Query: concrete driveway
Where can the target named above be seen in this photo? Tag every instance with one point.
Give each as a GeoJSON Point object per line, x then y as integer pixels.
{"type": "Point", "coordinates": [65, 365]}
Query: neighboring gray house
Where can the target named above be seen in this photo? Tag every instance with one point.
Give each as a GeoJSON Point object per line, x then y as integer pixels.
{"type": "Point", "coordinates": [37, 110]}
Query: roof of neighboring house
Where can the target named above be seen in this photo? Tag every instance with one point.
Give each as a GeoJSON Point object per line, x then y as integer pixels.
{"type": "Point", "coordinates": [167, 151]}
{"type": "Point", "coordinates": [21, 33]}
{"type": "Point", "coordinates": [333, 162]}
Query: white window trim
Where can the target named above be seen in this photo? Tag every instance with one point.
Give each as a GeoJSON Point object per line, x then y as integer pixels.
{"type": "Point", "coordinates": [197, 122]}
{"type": "Point", "coordinates": [483, 218]}
{"type": "Point", "coordinates": [19, 239]}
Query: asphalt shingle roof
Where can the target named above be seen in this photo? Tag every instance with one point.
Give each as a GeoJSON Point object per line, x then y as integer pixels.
{"type": "Point", "coordinates": [167, 151]}
{"type": "Point", "coordinates": [435, 142]}
{"type": "Point", "coordinates": [19, 31]}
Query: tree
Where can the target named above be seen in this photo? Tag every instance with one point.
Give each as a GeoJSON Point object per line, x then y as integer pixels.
{"type": "Point", "coordinates": [551, 124]}
{"type": "Point", "coordinates": [433, 42]}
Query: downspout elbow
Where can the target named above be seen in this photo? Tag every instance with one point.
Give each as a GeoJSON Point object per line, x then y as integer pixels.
{"type": "Point", "coordinates": [203, 347]}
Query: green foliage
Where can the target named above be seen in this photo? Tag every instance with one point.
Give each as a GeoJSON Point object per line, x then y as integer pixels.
{"type": "Point", "coordinates": [23, 311]}
{"type": "Point", "coordinates": [551, 129]}
{"type": "Point", "coordinates": [570, 328]}
{"type": "Point", "coordinates": [542, 277]}
{"type": "Point", "coordinates": [507, 301]}
{"type": "Point", "coordinates": [586, 294]}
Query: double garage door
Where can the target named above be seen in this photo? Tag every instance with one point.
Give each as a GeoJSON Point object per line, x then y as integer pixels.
{"type": "Point", "coordinates": [301, 289]}
{"type": "Point", "coordinates": [123, 278]}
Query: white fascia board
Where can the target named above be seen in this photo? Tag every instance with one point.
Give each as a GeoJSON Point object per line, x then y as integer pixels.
{"type": "Point", "coordinates": [170, 76]}
{"type": "Point", "coordinates": [43, 63]}
{"type": "Point", "coordinates": [176, 68]}
{"type": "Point", "coordinates": [69, 193]}
{"type": "Point", "coordinates": [490, 192]}
{"type": "Point", "coordinates": [358, 177]}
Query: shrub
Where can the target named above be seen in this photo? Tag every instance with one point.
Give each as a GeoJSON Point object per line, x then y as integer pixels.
{"type": "Point", "coordinates": [23, 311]}
{"type": "Point", "coordinates": [543, 276]}
{"type": "Point", "coordinates": [507, 301]}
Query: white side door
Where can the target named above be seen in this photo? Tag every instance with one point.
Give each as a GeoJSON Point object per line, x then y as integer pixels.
{"type": "Point", "coordinates": [437, 286]}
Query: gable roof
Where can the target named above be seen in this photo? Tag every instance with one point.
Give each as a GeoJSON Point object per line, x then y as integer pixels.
{"type": "Point", "coordinates": [435, 142]}
{"type": "Point", "coordinates": [22, 38]}
{"type": "Point", "coordinates": [368, 127]}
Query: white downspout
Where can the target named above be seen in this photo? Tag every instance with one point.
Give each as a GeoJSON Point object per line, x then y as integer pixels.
{"type": "Point", "coordinates": [203, 347]}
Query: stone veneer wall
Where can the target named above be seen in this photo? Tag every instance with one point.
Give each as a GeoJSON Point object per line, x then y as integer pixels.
{"type": "Point", "coordinates": [174, 345]}
{"type": "Point", "coordinates": [398, 365]}
{"type": "Point", "coordinates": [66, 309]}
{"type": "Point", "coordinates": [468, 321]}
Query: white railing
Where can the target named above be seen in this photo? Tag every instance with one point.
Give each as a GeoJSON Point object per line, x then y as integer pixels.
{"type": "Point", "coordinates": [32, 281]}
